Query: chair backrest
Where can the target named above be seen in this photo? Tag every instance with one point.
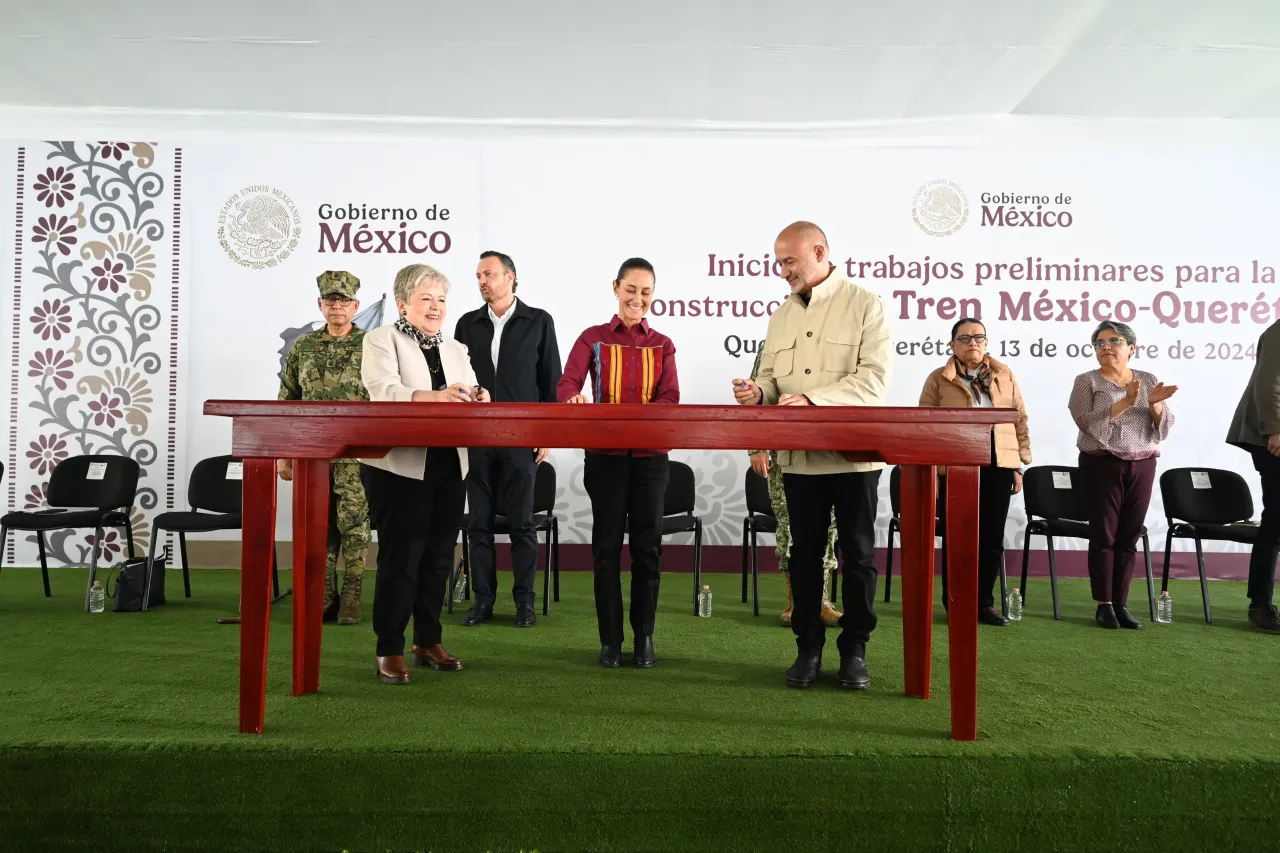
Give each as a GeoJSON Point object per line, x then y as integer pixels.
{"type": "Point", "coordinates": [1054, 492]}
{"type": "Point", "coordinates": [757, 489]}
{"type": "Point", "coordinates": [544, 489]}
{"type": "Point", "coordinates": [101, 481]}
{"type": "Point", "coordinates": [1205, 496]}
{"type": "Point", "coordinates": [680, 495]}
{"type": "Point", "coordinates": [211, 489]}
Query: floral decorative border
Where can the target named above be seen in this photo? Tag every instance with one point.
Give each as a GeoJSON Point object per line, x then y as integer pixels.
{"type": "Point", "coordinates": [92, 358]}
{"type": "Point", "coordinates": [15, 340]}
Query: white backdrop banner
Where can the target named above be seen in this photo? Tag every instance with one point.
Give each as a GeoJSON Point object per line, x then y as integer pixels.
{"type": "Point", "coordinates": [1040, 243]}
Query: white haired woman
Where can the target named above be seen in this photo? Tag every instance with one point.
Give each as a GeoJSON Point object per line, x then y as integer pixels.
{"type": "Point", "coordinates": [416, 494]}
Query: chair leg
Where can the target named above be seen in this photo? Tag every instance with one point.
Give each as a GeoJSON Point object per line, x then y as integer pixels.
{"type": "Point", "coordinates": [93, 566]}
{"type": "Point", "coordinates": [1151, 584]}
{"type": "Point", "coordinates": [546, 577]}
{"type": "Point", "coordinates": [186, 570]}
{"type": "Point", "coordinates": [697, 563]}
{"type": "Point", "coordinates": [151, 565]}
{"type": "Point", "coordinates": [44, 564]}
{"type": "Point", "coordinates": [1004, 588]}
{"type": "Point", "coordinates": [1168, 547]}
{"type": "Point", "coordinates": [888, 560]}
{"type": "Point", "coordinates": [4, 539]}
{"type": "Point", "coordinates": [1204, 583]}
{"type": "Point", "coordinates": [746, 556]}
{"type": "Point", "coordinates": [755, 573]}
{"type": "Point", "coordinates": [1053, 580]}
{"type": "Point", "coordinates": [555, 560]}
{"type": "Point", "coordinates": [128, 535]}
{"type": "Point", "coordinates": [1026, 559]}
{"type": "Point", "coordinates": [276, 595]}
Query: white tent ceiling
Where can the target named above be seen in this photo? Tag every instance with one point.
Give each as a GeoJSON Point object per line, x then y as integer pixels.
{"type": "Point", "coordinates": [691, 62]}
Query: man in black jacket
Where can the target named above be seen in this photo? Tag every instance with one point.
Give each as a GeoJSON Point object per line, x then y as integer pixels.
{"type": "Point", "coordinates": [514, 354]}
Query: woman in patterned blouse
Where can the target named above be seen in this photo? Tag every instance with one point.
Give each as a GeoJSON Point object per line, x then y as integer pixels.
{"type": "Point", "coordinates": [628, 362]}
{"type": "Point", "coordinates": [1122, 417]}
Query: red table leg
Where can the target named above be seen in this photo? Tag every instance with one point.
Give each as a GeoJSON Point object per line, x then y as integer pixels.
{"type": "Point", "coordinates": [256, 543]}
{"type": "Point", "coordinates": [310, 533]}
{"type": "Point", "coordinates": [919, 498]}
{"type": "Point", "coordinates": [962, 589]}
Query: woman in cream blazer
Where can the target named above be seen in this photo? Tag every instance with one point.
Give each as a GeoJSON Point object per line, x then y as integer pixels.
{"type": "Point", "coordinates": [416, 494]}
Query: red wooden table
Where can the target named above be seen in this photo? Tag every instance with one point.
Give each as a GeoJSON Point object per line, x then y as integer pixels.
{"type": "Point", "coordinates": [919, 439]}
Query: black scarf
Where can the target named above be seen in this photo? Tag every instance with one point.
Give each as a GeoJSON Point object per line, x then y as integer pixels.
{"type": "Point", "coordinates": [418, 336]}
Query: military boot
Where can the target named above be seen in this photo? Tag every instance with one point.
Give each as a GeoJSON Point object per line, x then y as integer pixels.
{"type": "Point", "coordinates": [349, 609]}
{"type": "Point", "coordinates": [331, 596]}
{"type": "Point", "coordinates": [785, 619]}
{"type": "Point", "coordinates": [830, 616]}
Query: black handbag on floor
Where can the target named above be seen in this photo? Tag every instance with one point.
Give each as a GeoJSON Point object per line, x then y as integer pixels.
{"type": "Point", "coordinates": [131, 581]}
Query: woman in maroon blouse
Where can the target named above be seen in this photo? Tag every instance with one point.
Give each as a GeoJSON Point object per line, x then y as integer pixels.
{"type": "Point", "coordinates": [628, 363]}
{"type": "Point", "coordinates": [1122, 417]}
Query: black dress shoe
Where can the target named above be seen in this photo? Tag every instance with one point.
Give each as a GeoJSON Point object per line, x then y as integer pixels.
{"type": "Point", "coordinates": [991, 616]}
{"type": "Point", "coordinates": [476, 615]}
{"type": "Point", "coordinates": [610, 657]}
{"type": "Point", "coordinates": [643, 655]}
{"type": "Point", "coordinates": [525, 617]}
{"type": "Point", "coordinates": [1126, 619]}
{"type": "Point", "coordinates": [805, 671]}
{"type": "Point", "coordinates": [853, 673]}
{"type": "Point", "coordinates": [1106, 616]}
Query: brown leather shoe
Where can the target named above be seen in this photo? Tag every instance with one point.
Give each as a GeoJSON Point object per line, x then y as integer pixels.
{"type": "Point", "coordinates": [435, 657]}
{"type": "Point", "coordinates": [391, 669]}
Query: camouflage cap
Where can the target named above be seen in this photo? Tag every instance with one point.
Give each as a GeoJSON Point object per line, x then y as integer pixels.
{"type": "Point", "coordinates": [338, 281]}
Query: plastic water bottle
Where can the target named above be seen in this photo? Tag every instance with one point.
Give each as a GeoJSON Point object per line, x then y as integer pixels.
{"type": "Point", "coordinates": [460, 587]}
{"type": "Point", "coordinates": [97, 598]}
{"type": "Point", "coordinates": [1015, 605]}
{"type": "Point", "coordinates": [704, 601]}
{"type": "Point", "coordinates": [1164, 608]}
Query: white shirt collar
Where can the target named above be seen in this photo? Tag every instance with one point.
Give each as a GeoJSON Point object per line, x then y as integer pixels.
{"type": "Point", "coordinates": [498, 321]}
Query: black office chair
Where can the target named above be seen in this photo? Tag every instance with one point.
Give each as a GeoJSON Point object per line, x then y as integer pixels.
{"type": "Point", "coordinates": [760, 519]}
{"type": "Point", "coordinates": [1056, 507]}
{"type": "Point", "coordinates": [1210, 503]}
{"type": "Point", "coordinates": [105, 483]}
{"type": "Point", "coordinates": [895, 529]}
{"type": "Point", "coordinates": [210, 488]}
{"type": "Point", "coordinates": [545, 520]}
{"type": "Point", "coordinates": [678, 507]}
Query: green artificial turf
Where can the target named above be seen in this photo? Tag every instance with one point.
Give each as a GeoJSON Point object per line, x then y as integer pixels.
{"type": "Point", "coordinates": [118, 731]}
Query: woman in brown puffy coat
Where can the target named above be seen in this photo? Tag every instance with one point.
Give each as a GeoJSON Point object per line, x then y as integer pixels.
{"type": "Point", "coordinates": [971, 377]}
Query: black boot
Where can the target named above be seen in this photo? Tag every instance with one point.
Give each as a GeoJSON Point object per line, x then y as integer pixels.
{"type": "Point", "coordinates": [805, 671]}
{"type": "Point", "coordinates": [853, 673]}
{"type": "Point", "coordinates": [1106, 616]}
{"type": "Point", "coordinates": [643, 655]}
{"type": "Point", "coordinates": [610, 657]}
{"type": "Point", "coordinates": [1126, 619]}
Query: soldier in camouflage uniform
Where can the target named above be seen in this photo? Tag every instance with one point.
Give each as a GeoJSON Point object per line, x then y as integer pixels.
{"type": "Point", "coordinates": [325, 365]}
{"type": "Point", "coordinates": [830, 616]}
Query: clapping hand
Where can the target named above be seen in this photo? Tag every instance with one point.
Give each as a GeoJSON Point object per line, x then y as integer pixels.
{"type": "Point", "coordinates": [1131, 392]}
{"type": "Point", "coordinates": [1161, 392]}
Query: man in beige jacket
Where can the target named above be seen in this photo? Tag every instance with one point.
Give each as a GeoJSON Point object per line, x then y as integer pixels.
{"type": "Point", "coordinates": [828, 345]}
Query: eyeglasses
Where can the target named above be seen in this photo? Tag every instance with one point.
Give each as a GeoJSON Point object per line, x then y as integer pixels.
{"type": "Point", "coordinates": [965, 339]}
{"type": "Point", "coordinates": [1108, 342]}
{"type": "Point", "coordinates": [331, 301]}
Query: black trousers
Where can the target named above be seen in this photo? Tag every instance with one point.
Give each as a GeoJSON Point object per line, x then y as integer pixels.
{"type": "Point", "coordinates": [627, 495]}
{"type": "Point", "coordinates": [418, 522]}
{"type": "Point", "coordinates": [500, 482]}
{"type": "Point", "coordinates": [995, 490]}
{"type": "Point", "coordinates": [1266, 548]}
{"type": "Point", "coordinates": [810, 499]}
